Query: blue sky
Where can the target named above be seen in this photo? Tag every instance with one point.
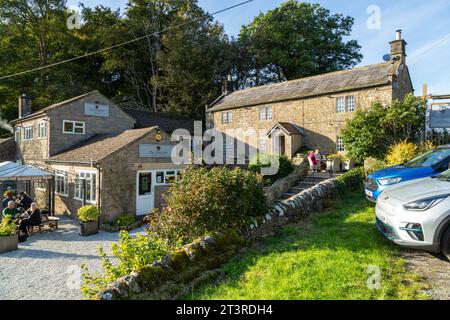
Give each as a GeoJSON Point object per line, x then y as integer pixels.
{"type": "Point", "coordinates": [425, 24]}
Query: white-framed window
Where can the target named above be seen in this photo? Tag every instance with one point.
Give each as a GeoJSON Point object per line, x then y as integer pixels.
{"type": "Point", "coordinates": [73, 127]}
{"type": "Point", "coordinates": [91, 186]}
{"type": "Point", "coordinates": [340, 104]}
{"type": "Point", "coordinates": [262, 145]}
{"type": "Point", "coordinates": [340, 147]}
{"type": "Point", "coordinates": [350, 101]}
{"type": "Point", "coordinates": [227, 117]}
{"type": "Point", "coordinates": [265, 113]}
{"type": "Point", "coordinates": [42, 130]}
{"type": "Point", "coordinates": [28, 133]}
{"type": "Point", "coordinates": [17, 133]}
{"type": "Point", "coordinates": [62, 182]}
{"type": "Point", "coordinates": [228, 148]}
{"type": "Point", "coordinates": [165, 177]}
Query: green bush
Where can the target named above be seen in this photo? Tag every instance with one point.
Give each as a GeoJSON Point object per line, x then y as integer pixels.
{"type": "Point", "coordinates": [88, 213]}
{"type": "Point", "coordinates": [131, 253]}
{"type": "Point", "coordinates": [401, 152]}
{"type": "Point", "coordinates": [125, 220]}
{"type": "Point", "coordinates": [260, 161]}
{"type": "Point", "coordinates": [7, 227]}
{"type": "Point", "coordinates": [372, 165]}
{"type": "Point", "coordinates": [353, 179]}
{"type": "Point", "coordinates": [205, 201]}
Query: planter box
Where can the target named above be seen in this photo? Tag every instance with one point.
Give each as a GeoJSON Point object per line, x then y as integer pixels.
{"type": "Point", "coordinates": [10, 243]}
{"type": "Point", "coordinates": [349, 165]}
{"type": "Point", "coordinates": [334, 165]}
{"type": "Point", "coordinates": [88, 228]}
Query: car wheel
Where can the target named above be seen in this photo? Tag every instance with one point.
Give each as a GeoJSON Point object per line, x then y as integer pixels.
{"type": "Point", "coordinates": [446, 243]}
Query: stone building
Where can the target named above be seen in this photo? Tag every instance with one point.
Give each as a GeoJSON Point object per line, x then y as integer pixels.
{"type": "Point", "coordinates": [310, 111]}
{"type": "Point", "coordinates": [117, 158]}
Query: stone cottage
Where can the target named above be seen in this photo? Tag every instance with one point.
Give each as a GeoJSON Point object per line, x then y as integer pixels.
{"type": "Point", "coordinates": [117, 158]}
{"type": "Point", "coordinates": [309, 111]}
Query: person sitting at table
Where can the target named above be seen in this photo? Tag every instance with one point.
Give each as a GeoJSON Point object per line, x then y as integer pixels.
{"type": "Point", "coordinates": [9, 197]}
{"type": "Point", "coordinates": [313, 161]}
{"type": "Point", "coordinates": [33, 219]}
{"type": "Point", "coordinates": [25, 201]}
{"type": "Point", "coordinates": [11, 210]}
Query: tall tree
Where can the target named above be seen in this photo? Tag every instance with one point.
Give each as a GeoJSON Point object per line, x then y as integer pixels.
{"type": "Point", "coordinates": [297, 40]}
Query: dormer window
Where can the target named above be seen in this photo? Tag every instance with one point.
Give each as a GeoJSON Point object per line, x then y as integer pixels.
{"type": "Point", "coordinates": [73, 127]}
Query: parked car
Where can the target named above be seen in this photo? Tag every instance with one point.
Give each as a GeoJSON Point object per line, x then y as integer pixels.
{"type": "Point", "coordinates": [416, 214]}
{"type": "Point", "coordinates": [428, 164]}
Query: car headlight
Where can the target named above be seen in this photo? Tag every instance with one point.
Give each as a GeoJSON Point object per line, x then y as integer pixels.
{"type": "Point", "coordinates": [425, 204]}
{"type": "Point", "coordinates": [389, 181]}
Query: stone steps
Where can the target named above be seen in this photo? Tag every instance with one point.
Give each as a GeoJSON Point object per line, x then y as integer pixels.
{"type": "Point", "coordinates": [309, 182]}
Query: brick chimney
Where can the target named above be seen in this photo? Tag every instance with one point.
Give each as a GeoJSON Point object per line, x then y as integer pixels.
{"type": "Point", "coordinates": [24, 106]}
{"type": "Point", "coordinates": [398, 48]}
{"type": "Point", "coordinates": [227, 86]}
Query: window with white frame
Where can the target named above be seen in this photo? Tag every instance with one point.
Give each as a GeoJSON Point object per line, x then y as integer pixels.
{"type": "Point", "coordinates": [262, 145]}
{"type": "Point", "coordinates": [265, 113]}
{"type": "Point", "coordinates": [350, 101]}
{"type": "Point", "coordinates": [340, 147]}
{"type": "Point", "coordinates": [167, 177]}
{"type": "Point", "coordinates": [42, 130]}
{"type": "Point", "coordinates": [340, 104]}
{"type": "Point", "coordinates": [28, 133]}
{"type": "Point", "coordinates": [62, 182]}
{"type": "Point", "coordinates": [17, 134]}
{"type": "Point", "coordinates": [73, 127]}
{"type": "Point", "coordinates": [227, 117]}
{"type": "Point", "coordinates": [228, 148]}
{"type": "Point", "coordinates": [91, 186]}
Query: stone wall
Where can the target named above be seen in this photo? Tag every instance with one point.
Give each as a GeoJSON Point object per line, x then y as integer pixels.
{"type": "Point", "coordinates": [281, 186]}
{"type": "Point", "coordinates": [195, 264]}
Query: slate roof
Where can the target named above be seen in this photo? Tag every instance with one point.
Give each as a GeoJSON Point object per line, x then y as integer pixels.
{"type": "Point", "coordinates": [100, 146]}
{"type": "Point", "coordinates": [289, 128]}
{"type": "Point", "coordinates": [167, 122]}
{"type": "Point", "coordinates": [333, 82]}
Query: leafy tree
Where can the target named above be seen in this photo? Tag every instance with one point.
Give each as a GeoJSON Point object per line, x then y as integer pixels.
{"type": "Point", "coordinates": [371, 132]}
{"type": "Point", "coordinates": [297, 40]}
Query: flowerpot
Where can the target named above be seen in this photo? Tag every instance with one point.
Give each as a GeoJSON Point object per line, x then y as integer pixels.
{"type": "Point", "coordinates": [334, 165]}
{"type": "Point", "coordinates": [10, 243]}
{"type": "Point", "coordinates": [88, 228]}
{"type": "Point", "coordinates": [349, 165]}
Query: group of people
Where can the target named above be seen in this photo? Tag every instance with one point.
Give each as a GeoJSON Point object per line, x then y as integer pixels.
{"type": "Point", "coordinates": [23, 210]}
{"type": "Point", "coordinates": [317, 161]}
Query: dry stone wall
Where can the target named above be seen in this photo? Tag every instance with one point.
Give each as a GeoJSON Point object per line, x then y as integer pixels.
{"type": "Point", "coordinates": [195, 264]}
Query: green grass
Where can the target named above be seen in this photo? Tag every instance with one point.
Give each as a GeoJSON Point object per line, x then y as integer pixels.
{"type": "Point", "coordinates": [329, 261]}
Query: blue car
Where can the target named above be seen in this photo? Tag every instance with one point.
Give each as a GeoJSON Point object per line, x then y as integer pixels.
{"type": "Point", "coordinates": [429, 164]}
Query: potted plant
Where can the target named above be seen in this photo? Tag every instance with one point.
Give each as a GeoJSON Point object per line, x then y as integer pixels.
{"type": "Point", "coordinates": [88, 216]}
{"type": "Point", "coordinates": [349, 163]}
{"type": "Point", "coordinates": [9, 238]}
{"type": "Point", "coordinates": [334, 162]}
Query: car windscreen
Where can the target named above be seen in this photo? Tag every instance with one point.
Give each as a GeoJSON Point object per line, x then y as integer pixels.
{"type": "Point", "coordinates": [429, 158]}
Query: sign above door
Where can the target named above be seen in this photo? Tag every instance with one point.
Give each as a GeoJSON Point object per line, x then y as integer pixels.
{"type": "Point", "coordinates": [155, 150]}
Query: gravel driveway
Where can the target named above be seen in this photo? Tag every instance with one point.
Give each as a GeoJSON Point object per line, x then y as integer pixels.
{"type": "Point", "coordinates": [46, 267]}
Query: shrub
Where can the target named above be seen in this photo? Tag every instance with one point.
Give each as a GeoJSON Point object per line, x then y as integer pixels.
{"type": "Point", "coordinates": [401, 153]}
{"type": "Point", "coordinates": [335, 156]}
{"type": "Point", "coordinates": [353, 179]}
{"type": "Point", "coordinates": [286, 167]}
{"type": "Point", "coordinates": [131, 254]}
{"type": "Point", "coordinates": [372, 165]}
{"type": "Point", "coordinates": [427, 146]}
{"type": "Point", "coordinates": [88, 213]}
{"type": "Point", "coordinates": [7, 227]}
{"type": "Point", "coordinates": [125, 220]}
{"type": "Point", "coordinates": [205, 201]}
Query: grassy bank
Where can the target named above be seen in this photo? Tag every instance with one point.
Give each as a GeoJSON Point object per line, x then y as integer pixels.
{"type": "Point", "coordinates": [326, 257]}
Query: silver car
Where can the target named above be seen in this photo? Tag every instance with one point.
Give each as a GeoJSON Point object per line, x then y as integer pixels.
{"type": "Point", "coordinates": [416, 214]}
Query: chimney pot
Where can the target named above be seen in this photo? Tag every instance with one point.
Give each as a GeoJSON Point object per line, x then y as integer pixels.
{"type": "Point", "coordinates": [227, 86]}
{"type": "Point", "coordinates": [398, 35]}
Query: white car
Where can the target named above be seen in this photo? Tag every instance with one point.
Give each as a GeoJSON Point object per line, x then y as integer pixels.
{"type": "Point", "coordinates": [416, 214]}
